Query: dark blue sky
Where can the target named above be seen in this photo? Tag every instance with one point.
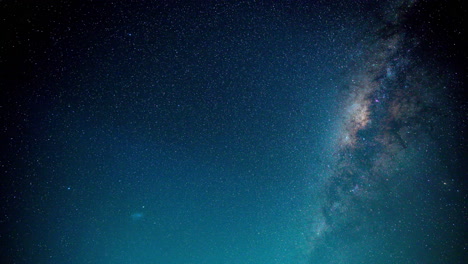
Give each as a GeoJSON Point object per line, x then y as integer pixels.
{"type": "Point", "coordinates": [247, 132]}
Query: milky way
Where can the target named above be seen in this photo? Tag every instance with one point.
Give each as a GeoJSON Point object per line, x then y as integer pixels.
{"type": "Point", "coordinates": [387, 118]}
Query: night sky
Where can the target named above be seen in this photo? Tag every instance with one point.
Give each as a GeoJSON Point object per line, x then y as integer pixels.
{"type": "Point", "coordinates": [276, 132]}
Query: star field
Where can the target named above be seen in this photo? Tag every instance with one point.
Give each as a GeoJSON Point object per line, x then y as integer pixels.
{"type": "Point", "coordinates": [233, 132]}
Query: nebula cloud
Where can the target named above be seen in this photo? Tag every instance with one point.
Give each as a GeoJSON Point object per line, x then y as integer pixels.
{"type": "Point", "coordinates": [387, 114]}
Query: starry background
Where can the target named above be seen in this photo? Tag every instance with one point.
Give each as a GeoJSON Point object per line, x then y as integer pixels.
{"type": "Point", "coordinates": [233, 132]}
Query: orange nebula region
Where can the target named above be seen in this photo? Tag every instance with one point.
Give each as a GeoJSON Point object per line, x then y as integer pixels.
{"type": "Point", "coordinates": [357, 115]}
{"type": "Point", "coordinates": [363, 85]}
